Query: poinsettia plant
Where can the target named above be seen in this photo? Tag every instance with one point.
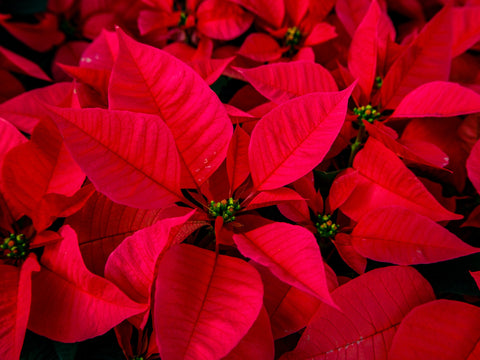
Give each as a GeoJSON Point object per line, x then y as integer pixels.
{"type": "Point", "coordinates": [241, 179]}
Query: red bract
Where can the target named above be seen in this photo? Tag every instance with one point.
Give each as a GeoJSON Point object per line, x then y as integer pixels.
{"type": "Point", "coordinates": [381, 179]}
{"type": "Point", "coordinates": [371, 308]}
{"type": "Point", "coordinates": [134, 199]}
{"type": "Point", "coordinates": [423, 333]}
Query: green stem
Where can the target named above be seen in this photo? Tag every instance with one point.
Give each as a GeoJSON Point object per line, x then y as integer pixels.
{"type": "Point", "coordinates": [357, 144]}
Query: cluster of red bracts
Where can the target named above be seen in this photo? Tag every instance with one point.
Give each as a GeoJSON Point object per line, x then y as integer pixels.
{"type": "Point", "coordinates": [131, 197]}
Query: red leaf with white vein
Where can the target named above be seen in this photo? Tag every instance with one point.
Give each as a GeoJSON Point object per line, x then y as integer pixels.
{"type": "Point", "coordinates": [294, 137]}
{"type": "Point", "coordinates": [401, 236]}
{"type": "Point", "coordinates": [69, 303]}
{"type": "Point", "coordinates": [371, 309]}
{"type": "Point", "coordinates": [441, 330]}
{"type": "Point", "coordinates": [437, 99]}
{"type": "Point", "coordinates": [142, 81]}
{"type": "Point", "coordinates": [383, 180]}
{"type": "Point", "coordinates": [129, 157]}
{"type": "Point", "coordinates": [204, 303]}
{"type": "Point", "coordinates": [283, 81]}
{"type": "Point", "coordinates": [291, 253]}
{"type": "Point", "coordinates": [15, 296]}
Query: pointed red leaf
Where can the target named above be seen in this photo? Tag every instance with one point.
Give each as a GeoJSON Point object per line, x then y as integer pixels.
{"type": "Point", "coordinates": [45, 159]}
{"type": "Point", "coordinates": [362, 55]}
{"type": "Point", "coordinates": [102, 225]}
{"type": "Point", "coordinates": [142, 81]}
{"type": "Point", "coordinates": [258, 343]}
{"type": "Point", "coordinates": [222, 20]}
{"type": "Point", "coordinates": [102, 52]}
{"type": "Point", "coordinates": [284, 81]}
{"type": "Point", "coordinates": [15, 296]}
{"type": "Point", "coordinates": [419, 152]}
{"type": "Point", "coordinates": [260, 47]}
{"type": "Point", "coordinates": [204, 303]}
{"type": "Point", "coordinates": [25, 110]}
{"type": "Point", "coordinates": [291, 253]}
{"type": "Point", "coordinates": [400, 236]}
{"type": "Point", "coordinates": [294, 137]}
{"type": "Point", "coordinates": [473, 166]}
{"type": "Point", "coordinates": [320, 33]}
{"type": "Point", "coordinates": [427, 59]}
{"type": "Point", "coordinates": [17, 63]}
{"type": "Point", "coordinates": [441, 329]}
{"type": "Point", "coordinates": [371, 309]}
{"type": "Point", "coordinates": [131, 266]}
{"type": "Point", "coordinates": [139, 164]}
{"type": "Point", "coordinates": [40, 36]}
{"type": "Point", "coordinates": [445, 134]}
{"type": "Point", "coordinates": [289, 308]}
{"type": "Point", "coordinates": [383, 180]}
{"type": "Point", "coordinates": [436, 99]}
{"type": "Point", "coordinates": [70, 304]}
{"type": "Point", "coordinates": [343, 244]}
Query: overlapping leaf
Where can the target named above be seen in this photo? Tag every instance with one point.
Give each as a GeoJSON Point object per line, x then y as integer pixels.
{"type": "Point", "coordinates": [291, 253]}
{"type": "Point", "coordinates": [131, 266]}
{"type": "Point", "coordinates": [401, 236]}
{"type": "Point", "coordinates": [15, 295]}
{"type": "Point", "coordinates": [382, 180]}
{"type": "Point", "coordinates": [437, 99]}
{"type": "Point", "coordinates": [294, 137]}
{"type": "Point", "coordinates": [69, 303]}
{"type": "Point", "coordinates": [130, 157]}
{"type": "Point", "coordinates": [441, 329]}
{"type": "Point", "coordinates": [372, 307]}
{"type": "Point", "coordinates": [102, 225]}
{"type": "Point", "coordinates": [281, 82]}
{"type": "Point", "coordinates": [427, 59]}
{"type": "Point", "coordinates": [142, 81]}
{"type": "Point", "coordinates": [204, 303]}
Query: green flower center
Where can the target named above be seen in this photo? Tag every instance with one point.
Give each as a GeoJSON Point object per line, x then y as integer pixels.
{"type": "Point", "coordinates": [378, 82]}
{"type": "Point", "coordinates": [225, 208]}
{"type": "Point", "coordinates": [183, 19]}
{"type": "Point", "coordinates": [325, 226]}
{"type": "Point", "coordinates": [367, 113]}
{"type": "Point", "coordinates": [293, 36]}
{"type": "Point", "coordinates": [15, 247]}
